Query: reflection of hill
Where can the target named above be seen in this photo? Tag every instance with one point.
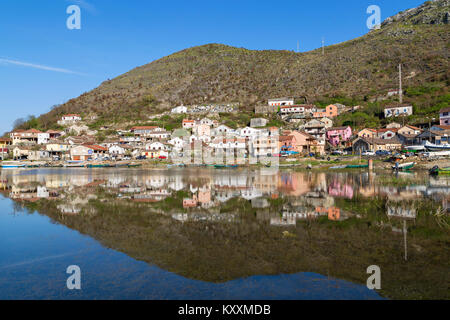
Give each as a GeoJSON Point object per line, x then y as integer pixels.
{"type": "Point", "coordinates": [218, 252]}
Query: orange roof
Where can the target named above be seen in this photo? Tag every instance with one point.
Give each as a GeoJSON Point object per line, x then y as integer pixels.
{"type": "Point", "coordinates": [143, 128]}
{"type": "Point", "coordinates": [187, 120]}
{"type": "Point", "coordinates": [71, 115]}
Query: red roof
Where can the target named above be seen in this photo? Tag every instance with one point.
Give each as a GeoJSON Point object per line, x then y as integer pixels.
{"type": "Point", "coordinates": [71, 115]}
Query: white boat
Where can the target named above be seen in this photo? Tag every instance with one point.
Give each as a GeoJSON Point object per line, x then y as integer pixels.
{"type": "Point", "coordinates": [436, 154]}
{"type": "Point", "coordinates": [437, 147]}
{"type": "Point", "coordinates": [416, 148]}
{"type": "Point", "coordinates": [12, 164]}
{"type": "Point", "coordinates": [404, 166]}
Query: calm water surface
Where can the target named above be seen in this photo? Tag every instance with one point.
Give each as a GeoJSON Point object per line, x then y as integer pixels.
{"type": "Point", "coordinates": [223, 234]}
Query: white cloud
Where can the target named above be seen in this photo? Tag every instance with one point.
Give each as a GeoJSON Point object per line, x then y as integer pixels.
{"type": "Point", "coordinates": [38, 66]}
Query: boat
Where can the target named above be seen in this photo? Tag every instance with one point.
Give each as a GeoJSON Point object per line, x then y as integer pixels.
{"type": "Point", "coordinates": [338, 167]}
{"type": "Point", "coordinates": [439, 171]}
{"type": "Point", "coordinates": [415, 148]}
{"type": "Point", "coordinates": [12, 164]}
{"type": "Point", "coordinates": [225, 166]}
{"type": "Point", "coordinates": [74, 165]}
{"type": "Point", "coordinates": [437, 147]}
{"type": "Point", "coordinates": [357, 166]}
{"type": "Point", "coordinates": [98, 165]}
{"type": "Point", "coordinates": [404, 166]}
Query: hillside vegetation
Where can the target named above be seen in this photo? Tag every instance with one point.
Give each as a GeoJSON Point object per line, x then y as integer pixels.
{"type": "Point", "coordinates": [358, 70]}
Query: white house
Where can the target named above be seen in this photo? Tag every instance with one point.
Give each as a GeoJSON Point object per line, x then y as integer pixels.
{"type": "Point", "coordinates": [177, 143]}
{"type": "Point", "coordinates": [69, 119]}
{"type": "Point", "coordinates": [248, 132]}
{"type": "Point", "coordinates": [116, 150]}
{"type": "Point", "coordinates": [179, 110]}
{"type": "Point", "coordinates": [222, 130]}
{"type": "Point", "coordinates": [396, 111]}
{"type": "Point", "coordinates": [281, 102]}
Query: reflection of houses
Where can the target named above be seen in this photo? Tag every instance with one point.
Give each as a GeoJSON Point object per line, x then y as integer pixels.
{"type": "Point", "coordinates": [338, 189]}
{"type": "Point", "coordinates": [401, 211]}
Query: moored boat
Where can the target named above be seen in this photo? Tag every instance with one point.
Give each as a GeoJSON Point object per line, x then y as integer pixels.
{"type": "Point", "coordinates": [12, 164]}
{"type": "Point", "coordinates": [439, 171]}
{"type": "Point", "coordinates": [437, 147]}
{"type": "Point", "coordinates": [404, 166]}
{"type": "Point", "coordinates": [357, 166]}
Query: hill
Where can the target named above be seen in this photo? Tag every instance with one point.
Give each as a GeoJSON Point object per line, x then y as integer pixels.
{"type": "Point", "coordinates": [355, 71]}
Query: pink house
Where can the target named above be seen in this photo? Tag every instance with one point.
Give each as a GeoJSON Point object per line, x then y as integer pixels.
{"type": "Point", "coordinates": [338, 135]}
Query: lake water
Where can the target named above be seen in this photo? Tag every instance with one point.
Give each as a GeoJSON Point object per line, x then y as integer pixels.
{"type": "Point", "coordinates": [223, 234]}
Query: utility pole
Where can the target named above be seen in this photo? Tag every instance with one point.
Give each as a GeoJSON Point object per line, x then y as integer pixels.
{"type": "Point", "coordinates": [400, 91]}
{"type": "Point", "coordinates": [298, 46]}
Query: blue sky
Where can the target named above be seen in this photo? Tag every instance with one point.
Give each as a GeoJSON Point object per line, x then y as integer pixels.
{"type": "Point", "coordinates": [42, 63]}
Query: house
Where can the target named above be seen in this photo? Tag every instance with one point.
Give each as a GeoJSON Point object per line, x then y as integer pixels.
{"type": "Point", "coordinates": [444, 116]}
{"type": "Point", "coordinates": [281, 102]}
{"type": "Point", "coordinates": [287, 144]}
{"type": "Point", "coordinates": [57, 148]}
{"type": "Point", "coordinates": [69, 119]}
{"type": "Point", "coordinates": [386, 133]}
{"type": "Point", "coordinates": [393, 125]}
{"type": "Point", "coordinates": [305, 143]}
{"type": "Point", "coordinates": [86, 152]}
{"type": "Point", "coordinates": [302, 108]}
{"type": "Point", "coordinates": [144, 130]}
{"type": "Point", "coordinates": [248, 132]}
{"type": "Point", "coordinates": [188, 124]}
{"type": "Point", "coordinates": [202, 130]}
{"type": "Point", "coordinates": [375, 144]}
{"type": "Point", "coordinates": [338, 135]}
{"type": "Point", "coordinates": [317, 129]}
{"type": "Point", "coordinates": [222, 130]}
{"type": "Point", "coordinates": [408, 139]}
{"type": "Point", "coordinates": [159, 135]}
{"type": "Point", "coordinates": [157, 150]}
{"type": "Point", "coordinates": [263, 146]}
{"type": "Point", "coordinates": [328, 122]}
{"type": "Point", "coordinates": [258, 122]}
{"type": "Point", "coordinates": [177, 143]}
{"type": "Point", "coordinates": [330, 111]}
{"type": "Point", "coordinates": [437, 137]}
{"type": "Point", "coordinates": [30, 153]}
{"type": "Point", "coordinates": [236, 146]}
{"type": "Point", "coordinates": [398, 110]}
{"type": "Point", "coordinates": [367, 133]}
{"type": "Point", "coordinates": [5, 143]}
{"type": "Point", "coordinates": [116, 151]}
{"type": "Point", "coordinates": [31, 136]}
{"type": "Point", "coordinates": [54, 134]}
{"type": "Point", "coordinates": [79, 140]}
{"type": "Point", "coordinates": [179, 110]}
{"type": "Point", "coordinates": [209, 122]}
{"type": "Point", "coordinates": [409, 130]}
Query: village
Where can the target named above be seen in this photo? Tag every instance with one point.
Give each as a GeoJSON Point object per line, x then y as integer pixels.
{"type": "Point", "coordinates": [307, 132]}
